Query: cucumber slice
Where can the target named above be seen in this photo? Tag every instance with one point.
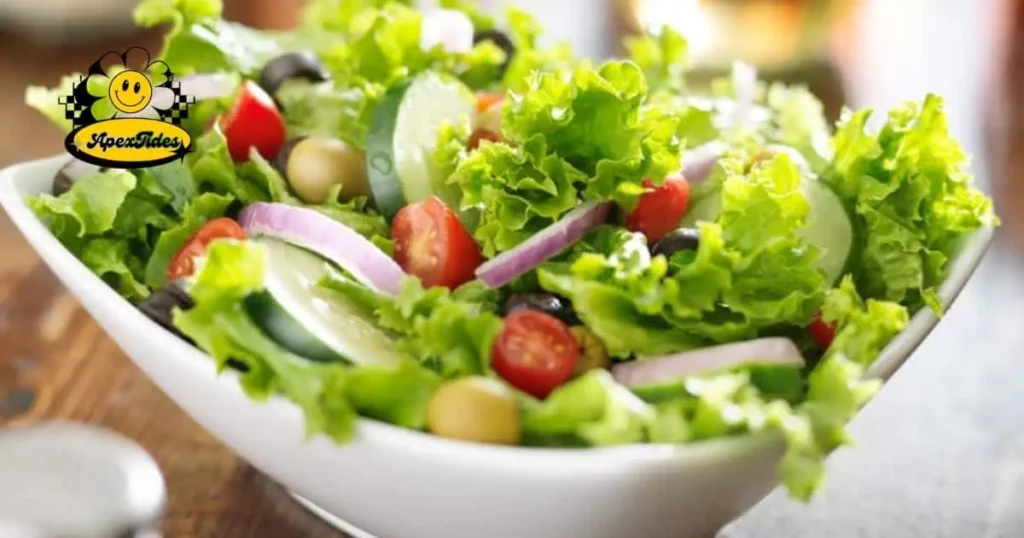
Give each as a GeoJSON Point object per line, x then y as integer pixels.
{"type": "Point", "coordinates": [402, 141]}
{"type": "Point", "coordinates": [309, 320]}
{"type": "Point", "coordinates": [828, 227]}
{"type": "Point", "coordinates": [828, 224]}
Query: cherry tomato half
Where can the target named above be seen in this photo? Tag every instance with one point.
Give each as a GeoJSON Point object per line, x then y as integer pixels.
{"type": "Point", "coordinates": [482, 134]}
{"type": "Point", "coordinates": [535, 352]}
{"type": "Point", "coordinates": [431, 243]}
{"type": "Point", "coordinates": [822, 332]}
{"type": "Point", "coordinates": [253, 121]}
{"type": "Point", "coordinates": [183, 263]}
{"type": "Point", "coordinates": [660, 209]}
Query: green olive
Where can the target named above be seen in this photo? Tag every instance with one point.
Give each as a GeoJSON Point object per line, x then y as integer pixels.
{"type": "Point", "coordinates": [593, 354]}
{"type": "Point", "coordinates": [475, 409]}
{"type": "Point", "coordinates": [317, 163]}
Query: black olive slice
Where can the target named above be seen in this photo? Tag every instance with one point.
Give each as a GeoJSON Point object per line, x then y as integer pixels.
{"type": "Point", "coordinates": [544, 302]}
{"type": "Point", "coordinates": [676, 240]}
{"type": "Point", "coordinates": [159, 305]}
{"type": "Point", "coordinates": [303, 64]}
{"type": "Point", "coordinates": [500, 39]}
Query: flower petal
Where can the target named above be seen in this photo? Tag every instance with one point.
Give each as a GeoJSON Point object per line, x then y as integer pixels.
{"type": "Point", "coordinates": [157, 73]}
{"type": "Point", "coordinates": [98, 85]}
{"type": "Point", "coordinates": [111, 64]}
{"type": "Point", "coordinates": [102, 109]}
{"type": "Point", "coordinates": [136, 58]}
{"type": "Point", "coordinates": [163, 98]}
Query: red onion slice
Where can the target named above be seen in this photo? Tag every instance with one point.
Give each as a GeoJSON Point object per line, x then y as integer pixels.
{"type": "Point", "coordinates": [449, 28]}
{"type": "Point", "coordinates": [546, 244]}
{"type": "Point", "coordinates": [698, 162]}
{"type": "Point", "coordinates": [710, 359]}
{"type": "Point", "coordinates": [327, 237]}
{"type": "Point", "coordinates": [208, 85]}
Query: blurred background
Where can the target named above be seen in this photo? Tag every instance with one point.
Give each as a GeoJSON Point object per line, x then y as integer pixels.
{"type": "Point", "coordinates": [941, 449]}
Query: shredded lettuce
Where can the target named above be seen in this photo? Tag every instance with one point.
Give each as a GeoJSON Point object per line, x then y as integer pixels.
{"type": "Point", "coordinates": [911, 198]}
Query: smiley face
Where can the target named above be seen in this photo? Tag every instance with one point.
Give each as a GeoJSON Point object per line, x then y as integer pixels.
{"type": "Point", "coordinates": [130, 91]}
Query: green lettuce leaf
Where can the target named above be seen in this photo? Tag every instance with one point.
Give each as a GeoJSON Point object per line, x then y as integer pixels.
{"type": "Point", "coordinates": [326, 109]}
{"type": "Point", "coordinates": [196, 213]}
{"type": "Point", "coordinates": [911, 198]}
{"type": "Point", "coordinates": [751, 273]}
{"type": "Point", "coordinates": [594, 119]}
{"type": "Point", "coordinates": [798, 121]}
{"type": "Point", "coordinates": [212, 169]}
{"type": "Point", "coordinates": [90, 207]}
{"type": "Point", "coordinates": [591, 410]}
{"type": "Point", "coordinates": [329, 394]}
{"type": "Point", "coordinates": [529, 58]}
{"type": "Point", "coordinates": [109, 258]}
{"type": "Point", "coordinates": [170, 183]}
{"type": "Point", "coordinates": [837, 388]}
{"type": "Point", "coordinates": [340, 16]}
{"type": "Point", "coordinates": [397, 396]}
{"type": "Point", "coordinates": [663, 58]}
{"type": "Point", "coordinates": [200, 41]}
{"type": "Point", "coordinates": [514, 192]}
{"type": "Point", "coordinates": [47, 100]}
{"type": "Point", "coordinates": [449, 332]}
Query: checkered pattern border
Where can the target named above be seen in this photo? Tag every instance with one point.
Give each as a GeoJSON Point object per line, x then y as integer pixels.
{"type": "Point", "coordinates": [72, 109]}
{"type": "Point", "coordinates": [179, 108]}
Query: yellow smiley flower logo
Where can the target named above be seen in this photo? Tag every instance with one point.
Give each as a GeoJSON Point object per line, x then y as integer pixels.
{"type": "Point", "coordinates": [129, 85]}
{"type": "Point", "coordinates": [127, 112]}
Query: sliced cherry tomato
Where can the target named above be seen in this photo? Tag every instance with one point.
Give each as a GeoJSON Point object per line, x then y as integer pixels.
{"type": "Point", "coordinates": [822, 332]}
{"type": "Point", "coordinates": [486, 100]}
{"type": "Point", "coordinates": [182, 264]}
{"type": "Point", "coordinates": [431, 243]}
{"type": "Point", "coordinates": [253, 121]}
{"type": "Point", "coordinates": [482, 134]}
{"type": "Point", "coordinates": [535, 352]}
{"type": "Point", "coordinates": [660, 209]}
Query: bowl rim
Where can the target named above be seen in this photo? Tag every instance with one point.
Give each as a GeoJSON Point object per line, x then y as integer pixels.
{"type": "Point", "coordinates": [15, 185]}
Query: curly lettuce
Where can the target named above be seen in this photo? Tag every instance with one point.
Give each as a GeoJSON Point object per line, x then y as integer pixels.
{"type": "Point", "coordinates": [911, 200]}
{"type": "Point", "coordinates": [514, 192]}
{"type": "Point", "coordinates": [751, 273]}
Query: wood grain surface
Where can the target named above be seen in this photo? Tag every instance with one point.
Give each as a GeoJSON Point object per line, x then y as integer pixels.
{"type": "Point", "coordinates": [55, 363]}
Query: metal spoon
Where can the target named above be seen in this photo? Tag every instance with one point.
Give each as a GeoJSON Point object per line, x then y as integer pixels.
{"type": "Point", "coordinates": [73, 480]}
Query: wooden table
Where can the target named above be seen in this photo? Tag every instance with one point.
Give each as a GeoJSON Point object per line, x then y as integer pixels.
{"type": "Point", "coordinates": [941, 450]}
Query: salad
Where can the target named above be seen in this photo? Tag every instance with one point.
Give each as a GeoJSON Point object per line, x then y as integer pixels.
{"type": "Point", "coordinates": [432, 220]}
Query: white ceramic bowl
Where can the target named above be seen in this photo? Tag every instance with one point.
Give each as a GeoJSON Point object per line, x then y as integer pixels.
{"type": "Point", "coordinates": [395, 483]}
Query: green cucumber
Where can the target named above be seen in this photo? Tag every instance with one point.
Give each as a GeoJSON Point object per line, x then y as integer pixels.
{"type": "Point", "coordinates": [828, 224]}
{"type": "Point", "coordinates": [402, 141]}
{"type": "Point", "coordinates": [309, 320]}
